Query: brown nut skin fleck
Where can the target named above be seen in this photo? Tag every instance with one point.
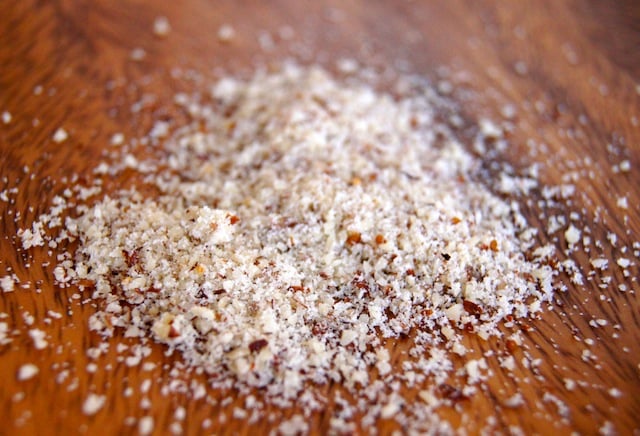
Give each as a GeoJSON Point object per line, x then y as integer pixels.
{"type": "Point", "coordinates": [493, 245]}
{"type": "Point", "coordinates": [354, 238]}
{"type": "Point", "coordinates": [173, 333]}
{"type": "Point", "coordinates": [132, 258]}
{"type": "Point", "coordinates": [258, 345]}
{"type": "Point", "coordinates": [452, 393]}
{"type": "Point", "coordinates": [511, 345]}
{"type": "Point", "coordinates": [471, 307]}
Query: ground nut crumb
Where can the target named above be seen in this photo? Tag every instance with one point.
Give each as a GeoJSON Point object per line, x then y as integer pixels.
{"type": "Point", "coordinates": [161, 26]}
{"type": "Point", "coordinates": [300, 223]}
{"type": "Point", "coordinates": [321, 203]}
{"type": "Point", "coordinates": [7, 284]}
{"type": "Point", "coordinates": [226, 33]}
{"type": "Point", "coordinates": [38, 338]}
{"type": "Point", "coordinates": [27, 371]}
{"type": "Point", "coordinates": [60, 135]}
{"type": "Point", "coordinates": [93, 403]}
{"type": "Point", "coordinates": [145, 425]}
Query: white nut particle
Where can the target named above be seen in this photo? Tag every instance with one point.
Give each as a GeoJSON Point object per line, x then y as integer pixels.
{"type": "Point", "coordinates": [490, 129]}
{"type": "Point", "coordinates": [625, 166]}
{"type": "Point", "coordinates": [180, 413]}
{"type": "Point", "coordinates": [347, 65]}
{"type": "Point", "coordinates": [53, 314]}
{"type": "Point", "coordinates": [428, 397]}
{"type": "Point", "coordinates": [161, 26]}
{"type": "Point", "coordinates": [514, 401]}
{"type": "Point", "coordinates": [347, 337]}
{"type": "Point", "coordinates": [137, 54]}
{"type": "Point", "coordinates": [176, 428]}
{"type": "Point", "coordinates": [145, 425]}
{"type": "Point", "coordinates": [454, 312]}
{"type": "Point", "coordinates": [27, 371]}
{"type": "Point", "coordinates": [623, 262]}
{"type": "Point", "coordinates": [508, 111]}
{"type": "Point", "coordinates": [117, 139]}
{"type": "Point", "coordinates": [389, 410]}
{"type": "Point", "coordinates": [148, 366]}
{"type": "Point", "coordinates": [569, 384]}
{"type": "Point", "coordinates": [60, 135]}
{"type": "Point", "coordinates": [266, 41]}
{"type": "Point", "coordinates": [226, 33]}
{"type": "Point", "coordinates": [93, 403]}
{"type": "Point", "coordinates": [615, 393]}
{"type": "Point", "coordinates": [521, 68]}
{"type": "Point", "coordinates": [294, 426]}
{"type": "Point", "coordinates": [508, 363]}
{"type": "Point", "coordinates": [572, 235]}
{"type": "Point", "coordinates": [6, 117]}
{"type": "Point", "coordinates": [4, 331]}
{"type": "Point", "coordinates": [7, 284]}
{"type": "Point", "coordinates": [160, 129]}
{"type": "Point", "coordinates": [622, 203]}
{"type": "Point", "coordinates": [474, 370]}
{"type": "Point", "coordinates": [600, 263]}
{"type": "Point", "coordinates": [38, 337]}
{"type": "Point", "coordinates": [608, 429]}
{"type": "Point", "coordinates": [145, 386]}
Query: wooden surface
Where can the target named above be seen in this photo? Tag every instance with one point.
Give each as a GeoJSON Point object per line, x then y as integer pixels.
{"type": "Point", "coordinates": [570, 68]}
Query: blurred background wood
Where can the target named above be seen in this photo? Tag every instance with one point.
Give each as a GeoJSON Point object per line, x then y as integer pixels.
{"type": "Point", "coordinates": [571, 69]}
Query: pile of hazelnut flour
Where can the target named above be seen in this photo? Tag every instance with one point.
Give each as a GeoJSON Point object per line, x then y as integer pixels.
{"type": "Point", "coordinates": [302, 223]}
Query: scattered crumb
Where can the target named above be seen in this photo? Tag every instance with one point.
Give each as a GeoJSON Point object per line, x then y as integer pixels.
{"type": "Point", "coordinates": [117, 139]}
{"type": "Point", "coordinates": [60, 135]}
{"type": "Point", "coordinates": [226, 33]}
{"type": "Point", "coordinates": [145, 425]}
{"type": "Point", "coordinates": [93, 403]}
{"type": "Point", "coordinates": [521, 68]}
{"type": "Point", "coordinates": [161, 26]}
{"type": "Point", "coordinates": [4, 332]}
{"type": "Point", "coordinates": [625, 166]}
{"type": "Point", "coordinates": [615, 393]}
{"type": "Point", "coordinates": [38, 337]}
{"type": "Point", "coordinates": [572, 235]}
{"type": "Point", "coordinates": [514, 401]}
{"type": "Point", "coordinates": [623, 262]}
{"type": "Point", "coordinates": [569, 384]}
{"type": "Point", "coordinates": [27, 371]}
{"type": "Point", "coordinates": [600, 263]}
{"type": "Point", "coordinates": [622, 203]}
{"type": "Point", "coordinates": [138, 54]}
{"type": "Point", "coordinates": [7, 284]}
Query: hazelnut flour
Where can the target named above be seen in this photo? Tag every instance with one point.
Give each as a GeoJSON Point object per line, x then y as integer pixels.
{"type": "Point", "coordinates": [301, 223]}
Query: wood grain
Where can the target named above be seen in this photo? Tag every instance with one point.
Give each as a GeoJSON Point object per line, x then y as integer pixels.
{"type": "Point", "coordinates": [570, 68]}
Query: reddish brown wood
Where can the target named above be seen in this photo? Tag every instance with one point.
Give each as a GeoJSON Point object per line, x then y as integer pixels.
{"type": "Point", "coordinates": [580, 93]}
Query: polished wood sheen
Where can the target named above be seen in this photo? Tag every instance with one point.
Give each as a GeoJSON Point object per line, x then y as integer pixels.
{"type": "Point", "coordinates": [570, 68]}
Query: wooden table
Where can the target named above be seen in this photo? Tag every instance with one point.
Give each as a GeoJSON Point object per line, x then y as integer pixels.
{"type": "Point", "coordinates": [571, 69]}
